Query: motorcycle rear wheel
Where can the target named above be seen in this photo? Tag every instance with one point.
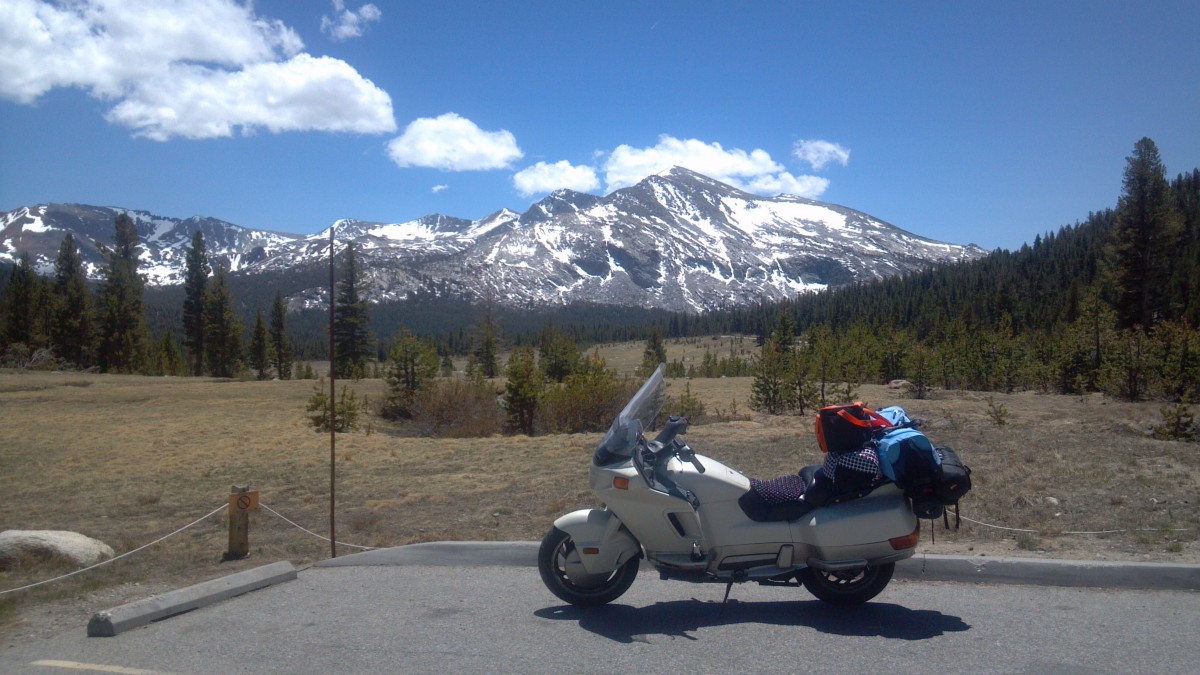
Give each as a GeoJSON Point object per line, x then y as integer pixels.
{"type": "Point", "coordinates": [557, 551]}
{"type": "Point", "coordinates": [847, 588]}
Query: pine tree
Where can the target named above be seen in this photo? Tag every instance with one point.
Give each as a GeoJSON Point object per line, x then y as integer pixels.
{"type": "Point", "coordinates": [522, 390]}
{"type": "Point", "coordinates": [655, 352]}
{"type": "Point", "coordinates": [1147, 232]}
{"type": "Point", "coordinates": [195, 280]}
{"type": "Point", "coordinates": [557, 354]}
{"type": "Point", "coordinates": [281, 346]}
{"type": "Point", "coordinates": [72, 329]}
{"type": "Point", "coordinates": [123, 334]}
{"type": "Point", "coordinates": [412, 365]}
{"type": "Point", "coordinates": [170, 361]}
{"type": "Point", "coordinates": [20, 302]}
{"type": "Point", "coordinates": [260, 358]}
{"type": "Point", "coordinates": [487, 341]}
{"type": "Point", "coordinates": [769, 390]}
{"type": "Point", "coordinates": [351, 320]}
{"type": "Point", "coordinates": [222, 328]}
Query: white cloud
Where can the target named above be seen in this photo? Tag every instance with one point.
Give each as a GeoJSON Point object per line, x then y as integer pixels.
{"type": "Point", "coordinates": [440, 188]}
{"type": "Point", "coordinates": [346, 24]}
{"type": "Point", "coordinates": [453, 143]}
{"type": "Point", "coordinates": [167, 64]}
{"type": "Point", "coordinates": [303, 93]}
{"type": "Point", "coordinates": [543, 177]}
{"type": "Point", "coordinates": [801, 186]}
{"type": "Point", "coordinates": [753, 171]}
{"type": "Point", "coordinates": [820, 154]}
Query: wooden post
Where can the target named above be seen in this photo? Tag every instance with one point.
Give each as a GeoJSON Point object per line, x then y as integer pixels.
{"type": "Point", "coordinates": [241, 500]}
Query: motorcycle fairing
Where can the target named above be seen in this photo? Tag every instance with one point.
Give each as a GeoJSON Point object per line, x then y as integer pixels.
{"type": "Point", "coordinates": [603, 542]}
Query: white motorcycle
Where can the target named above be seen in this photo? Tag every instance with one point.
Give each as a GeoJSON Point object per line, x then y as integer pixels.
{"type": "Point", "coordinates": [688, 516]}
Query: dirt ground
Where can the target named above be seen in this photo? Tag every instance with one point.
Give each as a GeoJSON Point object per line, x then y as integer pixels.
{"type": "Point", "coordinates": [128, 459]}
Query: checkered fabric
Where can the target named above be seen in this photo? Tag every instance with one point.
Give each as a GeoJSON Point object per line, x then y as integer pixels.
{"type": "Point", "coordinates": [863, 461]}
{"type": "Point", "coordinates": [847, 470]}
{"type": "Point", "coordinates": [779, 490]}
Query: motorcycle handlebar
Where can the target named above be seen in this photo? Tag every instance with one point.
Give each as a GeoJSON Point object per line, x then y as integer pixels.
{"type": "Point", "coordinates": [674, 427]}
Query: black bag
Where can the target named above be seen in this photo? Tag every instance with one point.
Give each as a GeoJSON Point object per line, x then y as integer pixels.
{"type": "Point", "coordinates": [956, 478]}
{"type": "Point", "coordinates": [930, 501]}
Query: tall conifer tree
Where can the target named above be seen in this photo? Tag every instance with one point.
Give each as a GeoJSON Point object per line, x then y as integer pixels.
{"type": "Point", "coordinates": [487, 342]}
{"type": "Point", "coordinates": [195, 280]}
{"type": "Point", "coordinates": [1148, 229]}
{"type": "Point", "coordinates": [122, 322]}
{"type": "Point", "coordinates": [72, 330]}
{"type": "Point", "coordinates": [222, 328]}
{"type": "Point", "coordinates": [351, 319]}
{"type": "Point", "coordinates": [20, 305]}
{"type": "Point", "coordinates": [260, 358]}
{"type": "Point", "coordinates": [281, 346]}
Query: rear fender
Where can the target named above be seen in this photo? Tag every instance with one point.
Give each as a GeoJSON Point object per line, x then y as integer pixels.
{"type": "Point", "coordinates": [603, 542]}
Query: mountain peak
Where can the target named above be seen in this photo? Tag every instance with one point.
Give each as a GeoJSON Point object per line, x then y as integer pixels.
{"type": "Point", "coordinates": [677, 240]}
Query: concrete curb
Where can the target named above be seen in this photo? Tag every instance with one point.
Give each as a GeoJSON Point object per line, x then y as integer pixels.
{"type": "Point", "coordinates": [1044, 572]}
{"type": "Point", "coordinates": [922, 567]}
{"type": "Point", "coordinates": [119, 619]}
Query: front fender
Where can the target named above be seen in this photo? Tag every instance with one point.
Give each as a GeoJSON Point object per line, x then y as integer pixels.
{"type": "Point", "coordinates": [603, 542]}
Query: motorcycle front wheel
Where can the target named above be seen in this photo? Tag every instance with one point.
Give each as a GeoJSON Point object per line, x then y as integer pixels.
{"type": "Point", "coordinates": [847, 588]}
{"type": "Point", "coordinates": [558, 553]}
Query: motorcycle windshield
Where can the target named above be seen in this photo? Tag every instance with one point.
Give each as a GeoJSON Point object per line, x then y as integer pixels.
{"type": "Point", "coordinates": [637, 416]}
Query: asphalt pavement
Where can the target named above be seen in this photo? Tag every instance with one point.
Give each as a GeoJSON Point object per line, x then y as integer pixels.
{"type": "Point", "coordinates": [472, 607]}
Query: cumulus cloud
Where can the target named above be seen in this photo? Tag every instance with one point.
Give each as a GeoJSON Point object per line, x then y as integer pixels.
{"type": "Point", "coordinates": [820, 154]}
{"type": "Point", "coordinates": [303, 92]}
{"type": "Point", "coordinates": [440, 188]}
{"type": "Point", "coordinates": [453, 143]}
{"type": "Point", "coordinates": [543, 177]}
{"type": "Point", "coordinates": [186, 68]}
{"type": "Point", "coordinates": [345, 23]}
{"type": "Point", "coordinates": [753, 171]}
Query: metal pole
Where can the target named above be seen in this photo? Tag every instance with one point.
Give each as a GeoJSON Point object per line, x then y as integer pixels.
{"type": "Point", "coordinates": [332, 405]}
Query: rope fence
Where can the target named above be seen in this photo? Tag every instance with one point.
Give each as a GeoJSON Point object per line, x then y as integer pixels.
{"type": "Point", "coordinates": [304, 529]}
{"type": "Point", "coordinates": [123, 555]}
{"type": "Point", "coordinates": [1017, 529]}
{"type": "Point", "coordinates": [372, 548]}
{"type": "Point", "coordinates": [172, 534]}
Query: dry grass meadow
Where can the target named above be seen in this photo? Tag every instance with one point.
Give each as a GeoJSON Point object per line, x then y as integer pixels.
{"type": "Point", "coordinates": [128, 459]}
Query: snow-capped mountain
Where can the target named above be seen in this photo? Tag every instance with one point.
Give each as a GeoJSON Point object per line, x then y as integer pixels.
{"type": "Point", "coordinates": [39, 231]}
{"type": "Point", "coordinates": [677, 240]}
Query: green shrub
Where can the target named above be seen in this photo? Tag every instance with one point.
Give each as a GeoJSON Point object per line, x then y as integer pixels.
{"type": "Point", "coordinates": [587, 401]}
{"type": "Point", "coordinates": [457, 408]}
{"type": "Point", "coordinates": [1179, 424]}
{"type": "Point", "coordinates": [348, 408]}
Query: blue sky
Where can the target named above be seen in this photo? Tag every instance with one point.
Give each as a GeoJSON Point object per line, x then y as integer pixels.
{"type": "Point", "coordinates": [966, 122]}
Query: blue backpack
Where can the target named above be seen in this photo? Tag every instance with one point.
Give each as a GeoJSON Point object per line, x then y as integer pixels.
{"type": "Point", "coordinates": [908, 458]}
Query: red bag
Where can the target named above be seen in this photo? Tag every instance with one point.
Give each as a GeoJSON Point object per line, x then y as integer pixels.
{"type": "Point", "coordinates": [848, 427]}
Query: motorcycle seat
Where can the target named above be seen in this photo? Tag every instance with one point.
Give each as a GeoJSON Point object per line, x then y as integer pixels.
{"type": "Point", "coordinates": [759, 508]}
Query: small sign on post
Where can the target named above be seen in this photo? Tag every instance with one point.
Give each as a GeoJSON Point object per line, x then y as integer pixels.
{"type": "Point", "coordinates": [241, 502]}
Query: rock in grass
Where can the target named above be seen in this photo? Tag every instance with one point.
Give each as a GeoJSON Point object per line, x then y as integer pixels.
{"type": "Point", "coordinates": [48, 545]}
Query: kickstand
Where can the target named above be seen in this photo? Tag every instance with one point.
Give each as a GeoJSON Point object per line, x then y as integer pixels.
{"type": "Point", "coordinates": [725, 601]}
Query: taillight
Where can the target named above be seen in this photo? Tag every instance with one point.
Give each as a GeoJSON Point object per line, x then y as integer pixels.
{"type": "Point", "coordinates": [908, 540]}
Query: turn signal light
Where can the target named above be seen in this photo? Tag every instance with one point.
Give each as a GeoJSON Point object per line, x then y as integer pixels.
{"type": "Point", "coordinates": [908, 540]}
{"type": "Point", "coordinates": [621, 483]}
